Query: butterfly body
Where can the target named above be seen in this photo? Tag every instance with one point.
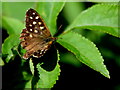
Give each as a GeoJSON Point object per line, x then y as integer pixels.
{"type": "Point", "coordinates": [36, 37]}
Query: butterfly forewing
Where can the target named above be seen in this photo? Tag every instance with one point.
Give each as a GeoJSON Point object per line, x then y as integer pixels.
{"type": "Point", "coordinates": [35, 24]}
{"type": "Point", "coordinates": [36, 37]}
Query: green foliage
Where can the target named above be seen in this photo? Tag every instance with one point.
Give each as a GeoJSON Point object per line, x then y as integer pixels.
{"type": "Point", "coordinates": [16, 10]}
{"type": "Point", "coordinates": [71, 10]}
{"type": "Point", "coordinates": [47, 79]}
{"type": "Point", "coordinates": [9, 43]}
{"type": "Point", "coordinates": [70, 58]}
{"type": "Point", "coordinates": [84, 50]}
{"type": "Point", "coordinates": [1, 62]}
{"type": "Point", "coordinates": [107, 1]}
{"type": "Point", "coordinates": [14, 27]}
{"type": "Point", "coordinates": [31, 66]}
{"type": "Point", "coordinates": [10, 23]}
{"type": "Point", "coordinates": [100, 17]}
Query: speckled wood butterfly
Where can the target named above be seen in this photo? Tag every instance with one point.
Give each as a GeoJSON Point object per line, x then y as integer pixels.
{"type": "Point", "coordinates": [35, 38]}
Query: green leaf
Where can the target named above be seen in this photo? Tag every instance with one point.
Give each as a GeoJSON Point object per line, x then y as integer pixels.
{"type": "Point", "coordinates": [49, 12]}
{"type": "Point", "coordinates": [100, 17]}
{"type": "Point", "coordinates": [84, 50]}
{"type": "Point", "coordinates": [72, 9]}
{"type": "Point", "coordinates": [1, 62]}
{"type": "Point", "coordinates": [16, 9]}
{"type": "Point", "coordinates": [13, 26]}
{"type": "Point", "coordinates": [48, 78]}
{"type": "Point", "coordinates": [69, 58]}
{"type": "Point", "coordinates": [108, 1]}
{"type": "Point", "coordinates": [31, 66]}
{"type": "Point", "coordinates": [28, 84]}
{"type": "Point", "coordinates": [9, 43]}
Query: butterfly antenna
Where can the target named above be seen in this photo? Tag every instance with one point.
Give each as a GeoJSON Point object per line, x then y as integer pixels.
{"type": "Point", "coordinates": [60, 27]}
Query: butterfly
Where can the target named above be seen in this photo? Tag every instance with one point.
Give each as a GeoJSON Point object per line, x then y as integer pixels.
{"type": "Point", "coordinates": [35, 38]}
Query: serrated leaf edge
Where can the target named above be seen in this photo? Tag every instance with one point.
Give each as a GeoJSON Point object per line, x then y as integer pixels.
{"type": "Point", "coordinates": [107, 75]}
{"type": "Point", "coordinates": [71, 28]}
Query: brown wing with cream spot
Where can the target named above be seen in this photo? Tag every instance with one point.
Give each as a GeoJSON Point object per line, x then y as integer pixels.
{"type": "Point", "coordinates": [34, 36]}
{"type": "Point", "coordinates": [35, 24]}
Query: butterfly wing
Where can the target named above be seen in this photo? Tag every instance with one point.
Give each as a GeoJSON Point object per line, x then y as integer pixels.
{"type": "Point", "coordinates": [33, 37]}
{"type": "Point", "coordinates": [35, 24]}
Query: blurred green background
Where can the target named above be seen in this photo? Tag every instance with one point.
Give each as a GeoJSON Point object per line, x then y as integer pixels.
{"type": "Point", "coordinates": [73, 73]}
